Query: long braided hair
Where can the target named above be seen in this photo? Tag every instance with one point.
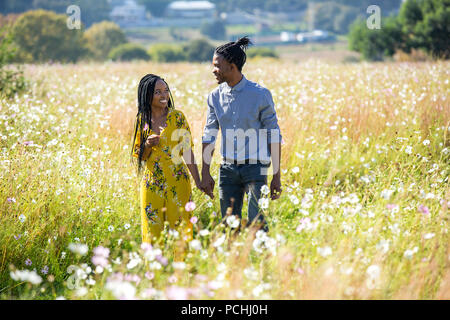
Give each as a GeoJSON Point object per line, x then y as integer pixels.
{"type": "Point", "coordinates": [145, 92]}
{"type": "Point", "coordinates": [234, 52]}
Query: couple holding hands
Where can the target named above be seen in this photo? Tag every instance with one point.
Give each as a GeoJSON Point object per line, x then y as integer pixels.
{"type": "Point", "coordinates": [243, 111]}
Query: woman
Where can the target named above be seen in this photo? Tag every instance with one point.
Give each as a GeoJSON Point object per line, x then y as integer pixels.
{"type": "Point", "coordinates": [165, 187]}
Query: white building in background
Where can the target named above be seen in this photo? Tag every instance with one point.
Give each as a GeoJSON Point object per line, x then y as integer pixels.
{"type": "Point", "coordinates": [191, 9]}
{"type": "Point", "coordinates": [129, 13]}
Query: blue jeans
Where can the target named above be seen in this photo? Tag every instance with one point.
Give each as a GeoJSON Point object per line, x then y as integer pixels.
{"type": "Point", "coordinates": [237, 179]}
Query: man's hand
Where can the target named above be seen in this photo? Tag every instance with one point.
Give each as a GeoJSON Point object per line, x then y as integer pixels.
{"type": "Point", "coordinates": [275, 188]}
{"type": "Point", "coordinates": [207, 185]}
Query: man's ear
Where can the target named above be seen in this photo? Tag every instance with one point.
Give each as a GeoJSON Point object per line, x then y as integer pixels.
{"type": "Point", "coordinates": [233, 67]}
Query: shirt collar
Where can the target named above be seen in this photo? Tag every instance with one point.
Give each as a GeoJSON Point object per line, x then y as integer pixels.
{"type": "Point", "coordinates": [238, 87]}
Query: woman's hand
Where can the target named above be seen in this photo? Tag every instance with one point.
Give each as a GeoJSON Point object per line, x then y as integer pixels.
{"type": "Point", "coordinates": [152, 141]}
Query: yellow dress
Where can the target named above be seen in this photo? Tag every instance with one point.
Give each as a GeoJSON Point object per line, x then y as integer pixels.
{"type": "Point", "coordinates": [165, 187]}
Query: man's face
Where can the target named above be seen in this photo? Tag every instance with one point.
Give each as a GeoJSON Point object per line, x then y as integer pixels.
{"type": "Point", "coordinates": [221, 68]}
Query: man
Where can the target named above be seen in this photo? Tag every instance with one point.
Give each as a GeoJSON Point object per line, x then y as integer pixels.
{"type": "Point", "coordinates": [245, 113]}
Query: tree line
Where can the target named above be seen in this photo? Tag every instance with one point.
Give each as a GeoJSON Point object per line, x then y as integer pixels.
{"type": "Point", "coordinates": [420, 25]}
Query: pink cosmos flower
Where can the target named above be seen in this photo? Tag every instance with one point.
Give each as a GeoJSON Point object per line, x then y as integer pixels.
{"type": "Point", "coordinates": [194, 220]}
{"type": "Point", "coordinates": [190, 206]}
{"type": "Point", "coordinates": [424, 210]}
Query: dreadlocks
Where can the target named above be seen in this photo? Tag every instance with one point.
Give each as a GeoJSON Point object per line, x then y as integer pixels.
{"type": "Point", "coordinates": [144, 116]}
{"type": "Point", "coordinates": [234, 52]}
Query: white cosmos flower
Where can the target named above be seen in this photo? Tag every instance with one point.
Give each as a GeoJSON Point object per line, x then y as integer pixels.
{"type": "Point", "coordinates": [78, 248]}
{"type": "Point", "coordinates": [219, 241]}
{"type": "Point", "coordinates": [324, 252]}
{"type": "Point", "coordinates": [294, 199]}
{"type": "Point", "coordinates": [204, 232]}
{"type": "Point", "coordinates": [233, 221]}
{"type": "Point", "coordinates": [26, 275]}
{"type": "Point", "coordinates": [195, 244]}
{"type": "Point", "coordinates": [121, 289]}
{"type": "Point", "coordinates": [265, 190]}
{"type": "Point", "coordinates": [428, 236]}
{"type": "Point", "coordinates": [373, 271]}
{"type": "Point", "coordinates": [263, 203]}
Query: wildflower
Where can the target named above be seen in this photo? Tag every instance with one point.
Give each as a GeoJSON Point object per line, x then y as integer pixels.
{"type": "Point", "coordinates": [305, 223]}
{"type": "Point", "coordinates": [219, 241]}
{"type": "Point", "coordinates": [424, 209]}
{"type": "Point", "coordinates": [383, 245]}
{"type": "Point", "coordinates": [386, 193]}
{"type": "Point", "coordinates": [110, 228]}
{"type": "Point", "coordinates": [121, 289]}
{"type": "Point", "coordinates": [134, 260]}
{"type": "Point", "coordinates": [190, 206]}
{"type": "Point", "coordinates": [295, 170]}
{"type": "Point", "coordinates": [28, 262]}
{"type": "Point", "coordinates": [127, 226]}
{"type": "Point", "coordinates": [324, 252]}
{"type": "Point", "coordinates": [193, 220]}
{"type": "Point", "coordinates": [195, 244]}
{"type": "Point", "coordinates": [179, 265]}
{"type": "Point", "coordinates": [44, 270]}
{"type": "Point", "coordinates": [11, 200]}
{"type": "Point", "coordinates": [80, 249]}
{"type": "Point", "coordinates": [149, 275]}
{"type": "Point", "coordinates": [408, 254]}
{"type": "Point", "coordinates": [428, 236]}
{"type": "Point", "coordinates": [294, 199]}
{"type": "Point", "coordinates": [233, 221]}
{"type": "Point", "coordinates": [26, 275]}
{"type": "Point", "coordinates": [373, 271]}
{"type": "Point", "coordinates": [263, 203]}
{"type": "Point", "coordinates": [22, 218]}
{"type": "Point", "coordinates": [426, 142]}
{"type": "Point", "coordinates": [265, 190]}
{"type": "Point", "coordinates": [176, 293]}
{"type": "Point", "coordinates": [393, 207]}
{"type": "Point", "coordinates": [204, 232]}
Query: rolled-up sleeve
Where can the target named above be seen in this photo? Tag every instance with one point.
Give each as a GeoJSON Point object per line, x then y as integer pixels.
{"type": "Point", "coordinates": [268, 118]}
{"type": "Point", "coordinates": [212, 124]}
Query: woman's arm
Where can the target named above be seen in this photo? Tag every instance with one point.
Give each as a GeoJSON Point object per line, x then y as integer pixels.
{"type": "Point", "coordinates": [151, 141]}
{"type": "Point", "coordinates": [189, 159]}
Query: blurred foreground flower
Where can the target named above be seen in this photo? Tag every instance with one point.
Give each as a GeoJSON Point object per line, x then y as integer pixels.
{"type": "Point", "coordinates": [26, 275]}
{"type": "Point", "coordinates": [78, 248]}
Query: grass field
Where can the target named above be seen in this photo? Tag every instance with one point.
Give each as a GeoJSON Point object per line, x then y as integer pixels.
{"type": "Point", "coordinates": [363, 213]}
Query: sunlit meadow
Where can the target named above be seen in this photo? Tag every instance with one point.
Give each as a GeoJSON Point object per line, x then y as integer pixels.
{"type": "Point", "coordinates": [363, 213]}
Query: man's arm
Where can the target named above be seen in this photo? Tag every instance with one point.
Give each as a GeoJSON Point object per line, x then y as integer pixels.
{"type": "Point", "coordinates": [275, 185]}
{"type": "Point", "coordinates": [209, 140]}
{"type": "Point", "coordinates": [270, 123]}
{"type": "Point", "coordinates": [208, 182]}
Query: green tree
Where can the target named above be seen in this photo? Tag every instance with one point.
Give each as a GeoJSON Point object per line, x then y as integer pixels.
{"type": "Point", "coordinates": [167, 53]}
{"type": "Point", "coordinates": [426, 24]}
{"type": "Point", "coordinates": [45, 36]}
{"type": "Point", "coordinates": [12, 80]}
{"type": "Point", "coordinates": [261, 52]}
{"type": "Point", "coordinates": [377, 43]}
{"type": "Point", "coordinates": [129, 52]}
{"type": "Point", "coordinates": [199, 50]}
{"type": "Point", "coordinates": [91, 11]}
{"type": "Point", "coordinates": [102, 37]}
{"type": "Point", "coordinates": [214, 30]}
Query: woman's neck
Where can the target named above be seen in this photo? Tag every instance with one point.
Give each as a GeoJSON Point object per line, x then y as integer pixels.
{"type": "Point", "coordinates": [159, 112]}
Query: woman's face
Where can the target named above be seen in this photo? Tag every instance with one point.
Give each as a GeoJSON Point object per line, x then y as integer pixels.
{"type": "Point", "coordinates": [160, 95]}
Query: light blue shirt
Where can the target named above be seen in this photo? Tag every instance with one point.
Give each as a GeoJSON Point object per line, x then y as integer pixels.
{"type": "Point", "coordinates": [247, 119]}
